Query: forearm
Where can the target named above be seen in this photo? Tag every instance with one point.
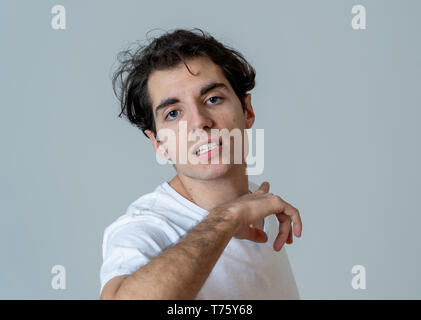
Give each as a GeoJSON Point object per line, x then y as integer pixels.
{"type": "Point", "coordinates": [180, 271]}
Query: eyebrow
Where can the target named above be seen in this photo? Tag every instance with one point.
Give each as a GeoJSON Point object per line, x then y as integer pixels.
{"type": "Point", "coordinates": [204, 90]}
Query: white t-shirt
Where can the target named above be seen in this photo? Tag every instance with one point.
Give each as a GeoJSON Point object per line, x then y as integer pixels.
{"type": "Point", "coordinates": [246, 270]}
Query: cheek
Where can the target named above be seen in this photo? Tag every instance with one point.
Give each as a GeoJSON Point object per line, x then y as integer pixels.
{"type": "Point", "coordinates": [178, 143]}
{"type": "Point", "coordinates": [231, 117]}
{"type": "Point", "coordinates": [168, 138]}
{"type": "Point", "coordinates": [235, 121]}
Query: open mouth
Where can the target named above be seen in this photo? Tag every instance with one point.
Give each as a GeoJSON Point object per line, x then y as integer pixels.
{"type": "Point", "coordinates": [209, 148]}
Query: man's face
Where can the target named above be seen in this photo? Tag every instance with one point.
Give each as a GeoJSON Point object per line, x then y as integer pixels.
{"type": "Point", "coordinates": [200, 102]}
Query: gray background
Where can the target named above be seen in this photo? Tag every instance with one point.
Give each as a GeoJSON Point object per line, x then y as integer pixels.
{"type": "Point", "coordinates": [340, 109]}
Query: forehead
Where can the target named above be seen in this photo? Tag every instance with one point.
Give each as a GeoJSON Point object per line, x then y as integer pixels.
{"type": "Point", "coordinates": [178, 81]}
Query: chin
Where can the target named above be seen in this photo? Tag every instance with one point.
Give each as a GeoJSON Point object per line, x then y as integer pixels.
{"type": "Point", "coordinates": [205, 171]}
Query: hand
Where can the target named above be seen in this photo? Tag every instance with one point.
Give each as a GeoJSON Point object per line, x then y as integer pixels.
{"type": "Point", "coordinates": [251, 208]}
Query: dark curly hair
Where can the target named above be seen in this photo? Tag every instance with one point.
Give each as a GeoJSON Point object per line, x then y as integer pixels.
{"type": "Point", "coordinates": [168, 51]}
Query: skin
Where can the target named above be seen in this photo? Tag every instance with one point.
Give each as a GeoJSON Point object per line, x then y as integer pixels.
{"type": "Point", "coordinates": [219, 188]}
{"type": "Point", "coordinates": [207, 185]}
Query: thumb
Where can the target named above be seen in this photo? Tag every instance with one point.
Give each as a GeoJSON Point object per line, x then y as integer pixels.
{"type": "Point", "coordinates": [257, 235]}
{"type": "Point", "coordinates": [264, 187]}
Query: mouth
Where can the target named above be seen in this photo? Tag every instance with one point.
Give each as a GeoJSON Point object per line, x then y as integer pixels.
{"type": "Point", "coordinates": [209, 149]}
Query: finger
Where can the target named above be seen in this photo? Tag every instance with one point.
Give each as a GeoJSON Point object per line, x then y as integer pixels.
{"type": "Point", "coordinates": [290, 240]}
{"type": "Point", "coordinates": [257, 235]}
{"type": "Point", "coordinates": [264, 187]}
{"type": "Point", "coordinates": [294, 214]}
{"type": "Point", "coordinates": [284, 229]}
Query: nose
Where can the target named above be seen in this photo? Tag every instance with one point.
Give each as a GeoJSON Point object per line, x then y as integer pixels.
{"type": "Point", "coordinates": [199, 118]}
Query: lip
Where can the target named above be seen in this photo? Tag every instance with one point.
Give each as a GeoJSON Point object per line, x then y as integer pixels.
{"type": "Point", "coordinates": [197, 145]}
{"type": "Point", "coordinates": [210, 154]}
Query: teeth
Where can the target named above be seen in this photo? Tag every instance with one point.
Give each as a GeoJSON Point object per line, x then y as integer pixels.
{"type": "Point", "coordinates": [206, 147]}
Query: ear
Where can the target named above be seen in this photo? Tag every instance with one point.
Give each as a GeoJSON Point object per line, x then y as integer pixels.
{"type": "Point", "coordinates": [158, 147]}
{"type": "Point", "coordinates": [248, 111]}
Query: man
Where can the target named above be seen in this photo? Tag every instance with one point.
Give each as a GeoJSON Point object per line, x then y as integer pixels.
{"type": "Point", "coordinates": [204, 234]}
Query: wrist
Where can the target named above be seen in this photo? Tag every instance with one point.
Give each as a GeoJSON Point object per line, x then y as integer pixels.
{"type": "Point", "coordinates": [230, 215]}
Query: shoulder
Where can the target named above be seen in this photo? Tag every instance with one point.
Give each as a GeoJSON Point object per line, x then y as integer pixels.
{"type": "Point", "coordinates": [142, 218]}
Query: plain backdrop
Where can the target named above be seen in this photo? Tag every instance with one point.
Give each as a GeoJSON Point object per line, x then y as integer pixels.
{"type": "Point", "coordinates": [340, 109]}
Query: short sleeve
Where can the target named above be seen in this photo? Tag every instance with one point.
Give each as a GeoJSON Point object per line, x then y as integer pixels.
{"type": "Point", "coordinates": [130, 245]}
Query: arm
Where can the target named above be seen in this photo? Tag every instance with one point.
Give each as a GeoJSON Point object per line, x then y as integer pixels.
{"type": "Point", "coordinates": [180, 271]}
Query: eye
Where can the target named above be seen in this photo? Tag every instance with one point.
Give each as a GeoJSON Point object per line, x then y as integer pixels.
{"type": "Point", "coordinates": [215, 99]}
{"type": "Point", "coordinates": [171, 113]}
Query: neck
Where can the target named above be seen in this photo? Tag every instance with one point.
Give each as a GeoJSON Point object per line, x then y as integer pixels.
{"type": "Point", "coordinates": [209, 194]}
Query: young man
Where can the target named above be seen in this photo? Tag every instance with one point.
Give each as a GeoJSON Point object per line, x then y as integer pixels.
{"type": "Point", "coordinates": [204, 234]}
